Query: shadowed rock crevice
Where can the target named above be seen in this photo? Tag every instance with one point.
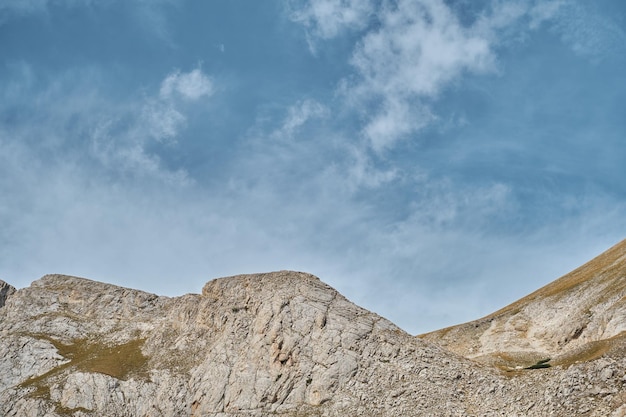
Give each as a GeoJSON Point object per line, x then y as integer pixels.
{"type": "Point", "coordinates": [5, 292]}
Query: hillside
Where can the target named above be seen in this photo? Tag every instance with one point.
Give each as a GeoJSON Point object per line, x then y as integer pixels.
{"type": "Point", "coordinates": [578, 317]}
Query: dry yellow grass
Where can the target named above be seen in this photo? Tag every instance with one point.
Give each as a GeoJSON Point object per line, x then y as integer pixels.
{"type": "Point", "coordinates": [601, 281]}
{"type": "Point", "coordinates": [119, 361]}
{"type": "Point", "coordinates": [592, 350]}
{"type": "Point", "coordinates": [600, 269]}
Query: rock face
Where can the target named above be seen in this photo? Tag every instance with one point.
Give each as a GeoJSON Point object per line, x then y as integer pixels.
{"type": "Point", "coordinates": [282, 343]}
{"type": "Point", "coordinates": [5, 291]}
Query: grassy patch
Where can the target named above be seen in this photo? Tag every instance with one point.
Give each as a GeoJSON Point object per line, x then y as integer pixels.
{"type": "Point", "coordinates": [592, 350]}
{"type": "Point", "coordinates": [118, 361]}
{"type": "Point", "coordinates": [513, 361]}
{"type": "Point", "coordinates": [64, 411]}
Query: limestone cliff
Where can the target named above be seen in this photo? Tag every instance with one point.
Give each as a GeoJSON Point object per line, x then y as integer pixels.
{"type": "Point", "coordinates": [282, 344]}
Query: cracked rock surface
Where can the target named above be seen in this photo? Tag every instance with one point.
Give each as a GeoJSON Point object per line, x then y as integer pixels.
{"type": "Point", "coordinates": [281, 343]}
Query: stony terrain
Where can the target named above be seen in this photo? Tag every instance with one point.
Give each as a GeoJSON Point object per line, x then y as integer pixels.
{"type": "Point", "coordinates": [283, 344]}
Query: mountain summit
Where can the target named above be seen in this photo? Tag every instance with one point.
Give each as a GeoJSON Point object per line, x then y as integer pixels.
{"type": "Point", "coordinates": [286, 344]}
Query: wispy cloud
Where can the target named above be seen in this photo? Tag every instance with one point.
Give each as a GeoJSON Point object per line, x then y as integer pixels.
{"type": "Point", "coordinates": [84, 187]}
{"type": "Point", "coordinates": [580, 24]}
{"type": "Point", "coordinates": [363, 172]}
{"type": "Point", "coordinates": [325, 19]}
{"type": "Point", "coordinates": [544, 11]}
{"type": "Point", "coordinates": [412, 51]}
{"type": "Point", "coordinates": [419, 48]}
{"type": "Point", "coordinates": [589, 33]}
{"type": "Point", "coordinates": [415, 49]}
{"type": "Point", "coordinates": [395, 118]}
{"type": "Point", "coordinates": [116, 134]}
{"type": "Point", "coordinates": [190, 86]}
{"type": "Point", "coordinates": [120, 140]}
{"type": "Point", "coordinates": [301, 113]}
{"type": "Point", "coordinates": [162, 120]}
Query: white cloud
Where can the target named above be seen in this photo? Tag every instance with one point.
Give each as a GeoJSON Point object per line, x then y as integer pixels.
{"type": "Point", "coordinates": [190, 86]}
{"type": "Point", "coordinates": [362, 172]}
{"type": "Point", "coordinates": [580, 25]}
{"type": "Point", "coordinates": [327, 18]}
{"type": "Point", "coordinates": [419, 48]}
{"type": "Point", "coordinates": [161, 120]}
{"type": "Point", "coordinates": [435, 267]}
{"type": "Point", "coordinates": [442, 204]}
{"type": "Point", "coordinates": [501, 15]}
{"type": "Point", "coordinates": [544, 11]}
{"type": "Point", "coordinates": [300, 113]}
{"type": "Point", "coordinates": [395, 119]}
{"type": "Point", "coordinates": [413, 50]}
{"type": "Point", "coordinates": [123, 151]}
{"type": "Point", "coordinates": [118, 136]}
{"type": "Point", "coordinates": [120, 139]}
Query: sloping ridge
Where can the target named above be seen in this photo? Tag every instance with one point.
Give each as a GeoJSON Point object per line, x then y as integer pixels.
{"type": "Point", "coordinates": [577, 317]}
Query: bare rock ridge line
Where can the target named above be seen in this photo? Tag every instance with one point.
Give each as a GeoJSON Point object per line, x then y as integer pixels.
{"type": "Point", "coordinates": [287, 344]}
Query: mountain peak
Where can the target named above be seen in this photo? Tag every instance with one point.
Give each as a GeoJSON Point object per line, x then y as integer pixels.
{"type": "Point", "coordinates": [271, 285]}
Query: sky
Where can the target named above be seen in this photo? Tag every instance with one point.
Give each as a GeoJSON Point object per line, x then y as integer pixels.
{"type": "Point", "coordinates": [433, 160]}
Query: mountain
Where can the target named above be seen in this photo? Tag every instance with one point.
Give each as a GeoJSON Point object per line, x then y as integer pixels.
{"type": "Point", "coordinates": [579, 317]}
{"type": "Point", "coordinates": [276, 344]}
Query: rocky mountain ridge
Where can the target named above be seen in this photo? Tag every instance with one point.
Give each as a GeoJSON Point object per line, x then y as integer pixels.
{"type": "Point", "coordinates": [281, 343]}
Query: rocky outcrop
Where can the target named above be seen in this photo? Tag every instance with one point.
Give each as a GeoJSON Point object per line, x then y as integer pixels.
{"type": "Point", "coordinates": [5, 291]}
{"type": "Point", "coordinates": [282, 343]}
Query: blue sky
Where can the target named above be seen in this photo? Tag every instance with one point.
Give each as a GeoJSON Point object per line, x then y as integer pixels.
{"type": "Point", "coordinates": [432, 160]}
